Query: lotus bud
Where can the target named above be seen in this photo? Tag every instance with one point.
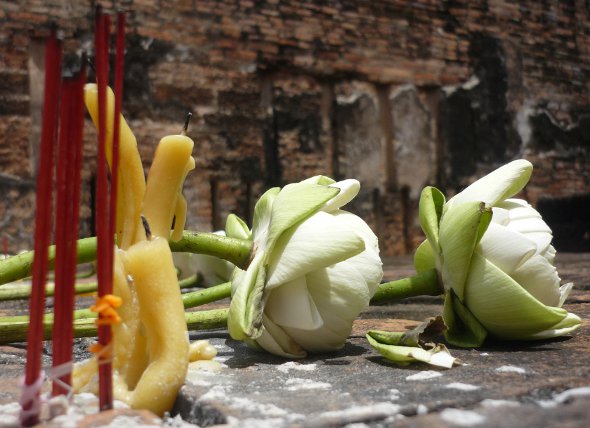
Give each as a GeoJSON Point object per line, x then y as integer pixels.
{"type": "Point", "coordinates": [494, 257]}
{"type": "Point", "coordinates": [314, 268]}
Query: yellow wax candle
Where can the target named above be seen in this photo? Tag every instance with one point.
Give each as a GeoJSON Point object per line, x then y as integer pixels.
{"type": "Point", "coordinates": [163, 197]}
{"type": "Point", "coordinates": [162, 315]}
{"type": "Point", "coordinates": [131, 184]}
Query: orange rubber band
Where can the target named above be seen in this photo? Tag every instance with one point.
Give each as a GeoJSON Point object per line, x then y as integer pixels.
{"type": "Point", "coordinates": [102, 353]}
{"type": "Point", "coordinates": [105, 306]}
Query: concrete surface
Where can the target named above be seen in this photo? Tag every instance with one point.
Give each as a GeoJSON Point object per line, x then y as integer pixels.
{"type": "Point", "coordinates": [526, 384]}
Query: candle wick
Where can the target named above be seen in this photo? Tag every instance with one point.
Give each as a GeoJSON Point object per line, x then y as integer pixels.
{"type": "Point", "coordinates": [146, 227]}
{"type": "Point", "coordinates": [186, 122]}
{"type": "Point", "coordinates": [91, 64]}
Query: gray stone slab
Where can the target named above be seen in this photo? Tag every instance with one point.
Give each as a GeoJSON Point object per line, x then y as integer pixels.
{"type": "Point", "coordinates": [503, 384]}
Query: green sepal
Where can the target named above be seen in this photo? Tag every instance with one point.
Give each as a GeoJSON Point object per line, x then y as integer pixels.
{"type": "Point", "coordinates": [246, 307]}
{"type": "Point", "coordinates": [431, 206]}
{"type": "Point", "coordinates": [421, 335]}
{"type": "Point", "coordinates": [460, 230]}
{"type": "Point", "coordinates": [463, 329]}
{"type": "Point", "coordinates": [414, 345]}
{"type": "Point", "coordinates": [235, 227]}
{"type": "Point", "coordinates": [424, 259]}
{"type": "Point", "coordinates": [263, 211]}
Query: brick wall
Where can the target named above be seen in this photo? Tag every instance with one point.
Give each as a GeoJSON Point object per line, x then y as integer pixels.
{"type": "Point", "coordinates": [398, 94]}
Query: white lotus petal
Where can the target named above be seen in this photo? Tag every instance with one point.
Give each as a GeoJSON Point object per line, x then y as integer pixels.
{"type": "Point", "coordinates": [348, 190]}
{"type": "Point", "coordinates": [368, 263]}
{"type": "Point", "coordinates": [330, 336]}
{"type": "Point", "coordinates": [291, 305]}
{"type": "Point", "coordinates": [564, 292]}
{"type": "Point", "coordinates": [529, 225]}
{"type": "Point", "coordinates": [274, 340]}
{"type": "Point", "coordinates": [519, 209]}
{"type": "Point", "coordinates": [505, 248]}
{"type": "Point", "coordinates": [549, 254]}
{"type": "Point", "coordinates": [498, 185]}
{"type": "Point", "coordinates": [500, 216]}
{"type": "Point", "coordinates": [322, 240]}
{"type": "Point", "coordinates": [539, 278]}
{"type": "Point", "coordinates": [542, 241]}
{"type": "Point", "coordinates": [340, 289]}
{"type": "Point", "coordinates": [441, 357]}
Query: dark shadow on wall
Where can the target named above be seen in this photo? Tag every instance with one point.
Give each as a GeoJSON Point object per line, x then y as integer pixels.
{"type": "Point", "coordinates": [568, 218]}
{"type": "Point", "coordinates": [475, 123]}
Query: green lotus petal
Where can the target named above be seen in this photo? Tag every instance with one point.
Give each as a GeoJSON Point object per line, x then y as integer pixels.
{"type": "Point", "coordinates": [506, 309]}
{"type": "Point", "coordinates": [567, 325]}
{"type": "Point", "coordinates": [404, 355]}
{"type": "Point", "coordinates": [424, 257]}
{"type": "Point", "coordinates": [294, 203]}
{"type": "Point", "coordinates": [322, 180]}
{"type": "Point", "coordinates": [498, 185]}
{"type": "Point", "coordinates": [432, 202]}
{"type": "Point", "coordinates": [460, 229]}
{"type": "Point", "coordinates": [246, 307]}
{"type": "Point", "coordinates": [463, 329]}
{"type": "Point", "coordinates": [235, 227]}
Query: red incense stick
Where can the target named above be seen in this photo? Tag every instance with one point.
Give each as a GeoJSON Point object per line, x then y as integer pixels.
{"type": "Point", "coordinates": [66, 229]}
{"type": "Point", "coordinates": [32, 383]}
{"type": "Point", "coordinates": [104, 242]}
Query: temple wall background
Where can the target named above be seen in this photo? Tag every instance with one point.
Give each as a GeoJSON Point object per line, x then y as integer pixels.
{"type": "Point", "coordinates": [398, 94]}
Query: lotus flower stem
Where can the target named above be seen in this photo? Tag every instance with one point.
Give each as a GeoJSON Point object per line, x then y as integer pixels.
{"type": "Point", "coordinates": [208, 295]}
{"type": "Point", "coordinates": [23, 291]}
{"type": "Point", "coordinates": [423, 284]}
{"type": "Point", "coordinates": [14, 329]}
{"type": "Point", "coordinates": [236, 251]}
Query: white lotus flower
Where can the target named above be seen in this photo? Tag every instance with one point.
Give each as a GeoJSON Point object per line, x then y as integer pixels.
{"type": "Point", "coordinates": [314, 269]}
{"type": "Point", "coordinates": [495, 260]}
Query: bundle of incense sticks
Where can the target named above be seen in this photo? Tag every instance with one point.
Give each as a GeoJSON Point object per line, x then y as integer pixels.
{"type": "Point", "coordinates": [33, 381]}
{"type": "Point", "coordinates": [105, 205]}
{"type": "Point", "coordinates": [69, 92]}
{"type": "Point", "coordinates": [69, 162]}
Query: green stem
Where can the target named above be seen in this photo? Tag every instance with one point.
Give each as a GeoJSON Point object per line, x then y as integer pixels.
{"type": "Point", "coordinates": [23, 291]}
{"type": "Point", "coordinates": [14, 329]}
{"type": "Point", "coordinates": [207, 295]}
{"type": "Point", "coordinates": [206, 320]}
{"type": "Point", "coordinates": [423, 284]}
{"type": "Point", "coordinates": [20, 266]}
{"type": "Point", "coordinates": [236, 251]}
